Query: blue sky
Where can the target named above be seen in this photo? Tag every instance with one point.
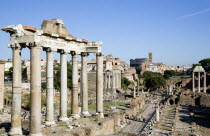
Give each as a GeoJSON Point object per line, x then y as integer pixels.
{"type": "Point", "coordinates": [177, 32]}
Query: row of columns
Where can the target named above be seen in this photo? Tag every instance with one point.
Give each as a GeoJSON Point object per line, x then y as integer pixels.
{"type": "Point", "coordinates": [199, 84]}
{"type": "Point", "coordinates": [35, 93]}
{"type": "Point", "coordinates": [112, 80]}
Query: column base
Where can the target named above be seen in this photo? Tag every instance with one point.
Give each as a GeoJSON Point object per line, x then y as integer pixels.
{"type": "Point", "coordinates": [100, 115]}
{"type": "Point", "coordinates": [16, 131]}
{"type": "Point", "coordinates": [86, 114]}
{"type": "Point", "coordinates": [36, 134]}
{"type": "Point", "coordinates": [64, 119]}
{"type": "Point", "coordinates": [49, 123]}
{"type": "Point", "coordinates": [75, 116]}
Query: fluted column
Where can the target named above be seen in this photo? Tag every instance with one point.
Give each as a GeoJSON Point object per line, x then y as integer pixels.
{"type": "Point", "coordinates": [75, 99]}
{"type": "Point", "coordinates": [204, 84]}
{"type": "Point", "coordinates": [193, 81]}
{"type": "Point", "coordinates": [113, 80]}
{"type": "Point", "coordinates": [63, 81]}
{"type": "Point", "coordinates": [117, 80]}
{"type": "Point", "coordinates": [49, 94]}
{"type": "Point", "coordinates": [35, 94]}
{"type": "Point", "coordinates": [109, 80]}
{"type": "Point", "coordinates": [16, 128]}
{"type": "Point", "coordinates": [84, 84]}
{"type": "Point", "coordinates": [199, 82]}
{"type": "Point", "coordinates": [99, 84]}
{"type": "Point", "coordinates": [105, 78]}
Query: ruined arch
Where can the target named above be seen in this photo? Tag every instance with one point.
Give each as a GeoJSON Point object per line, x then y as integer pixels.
{"type": "Point", "coordinates": [177, 100]}
{"type": "Point", "coordinates": [171, 102]}
{"type": "Point", "coordinates": [197, 101]}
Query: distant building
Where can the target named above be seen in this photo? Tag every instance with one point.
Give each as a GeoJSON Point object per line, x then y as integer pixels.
{"type": "Point", "coordinates": [8, 64]}
{"type": "Point", "coordinates": [150, 57]}
{"type": "Point", "coordinates": [113, 68]}
{"type": "Point", "coordinates": [137, 63]}
{"type": "Point", "coordinates": [152, 67]}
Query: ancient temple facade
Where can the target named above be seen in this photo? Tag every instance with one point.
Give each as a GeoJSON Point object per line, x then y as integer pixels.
{"type": "Point", "coordinates": [52, 37]}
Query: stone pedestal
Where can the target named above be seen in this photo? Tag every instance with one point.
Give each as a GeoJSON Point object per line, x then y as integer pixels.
{"type": "Point", "coordinates": [75, 100]}
{"type": "Point", "coordinates": [35, 94]}
{"type": "Point", "coordinates": [99, 84]}
{"type": "Point", "coordinates": [16, 128]}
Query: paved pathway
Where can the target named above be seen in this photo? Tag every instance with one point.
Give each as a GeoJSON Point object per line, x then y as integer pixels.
{"type": "Point", "coordinates": [136, 127]}
{"type": "Point", "coordinates": [164, 126]}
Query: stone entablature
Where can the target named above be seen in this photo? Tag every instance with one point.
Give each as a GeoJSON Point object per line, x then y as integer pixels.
{"type": "Point", "coordinates": [54, 36]}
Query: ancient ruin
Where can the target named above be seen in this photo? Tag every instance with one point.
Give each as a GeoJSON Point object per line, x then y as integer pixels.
{"type": "Point", "coordinates": [199, 70]}
{"type": "Point", "coordinates": [52, 37]}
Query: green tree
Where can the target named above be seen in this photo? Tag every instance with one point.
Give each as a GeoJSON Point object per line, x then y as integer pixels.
{"type": "Point", "coordinates": [169, 73]}
{"type": "Point", "coordinates": [125, 83]}
{"type": "Point", "coordinates": [57, 77]}
{"type": "Point", "coordinates": [153, 80]}
{"type": "Point", "coordinates": [194, 65]}
{"type": "Point", "coordinates": [205, 63]}
{"type": "Point", "coordinates": [189, 71]}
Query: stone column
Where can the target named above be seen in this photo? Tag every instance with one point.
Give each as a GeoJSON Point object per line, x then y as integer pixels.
{"type": "Point", "coordinates": [134, 92]}
{"type": "Point", "coordinates": [193, 81]}
{"type": "Point", "coordinates": [157, 113]}
{"type": "Point", "coordinates": [35, 94]}
{"type": "Point", "coordinates": [75, 99]}
{"type": "Point", "coordinates": [204, 84]}
{"type": "Point", "coordinates": [199, 84]}
{"type": "Point", "coordinates": [16, 128]}
{"type": "Point", "coordinates": [49, 94]}
{"type": "Point", "coordinates": [113, 80]}
{"type": "Point", "coordinates": [63, 92]}
{"type": "Point", "coordinates": [2, 63]}
{"type": "Point", "coordinates": [105, 78]}
{"type": "Point", "coordinates": [99, 84]}
{"type": "Point", "coordinates": [120, 79]}
{"type": "Point", "coordinates": [109, 80]}
{"type": "Point", "coordinates": [138, 87]}
{"type": "Point", "coordinates": [84, 84]}
{"type": "Point", "coordinates": [117, 80]}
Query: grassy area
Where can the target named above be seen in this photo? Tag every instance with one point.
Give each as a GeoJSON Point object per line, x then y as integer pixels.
{"type": "Point", "coordinates": [107, 104]}
{"type": "Point", "coordinates": [9, 97]}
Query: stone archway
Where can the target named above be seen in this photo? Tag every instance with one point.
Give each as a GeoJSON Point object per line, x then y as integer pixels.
{"type": "Point", "coordinates": [171, 102]}
{"type": "Point", "coordinates": [176, 100]}
{"type": "Point", "coordinates": [197, 101]}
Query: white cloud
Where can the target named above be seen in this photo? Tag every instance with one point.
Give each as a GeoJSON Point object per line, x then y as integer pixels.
{"type": "Point", "coordinates": [193, 14]}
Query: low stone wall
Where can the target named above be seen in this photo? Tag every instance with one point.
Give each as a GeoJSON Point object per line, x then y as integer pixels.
{"type": "Point", "coordinates": [205, 100]}
{"type": "Point", "coordinates": [186, 100]}
{"type": "Point", "coordinates": [195, 99]}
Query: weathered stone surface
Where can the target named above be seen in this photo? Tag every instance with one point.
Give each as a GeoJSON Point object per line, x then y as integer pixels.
{"type": "Point", "coordinates": [1, 84]}
{"type": "Point", "coordinates": [54, 26]}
